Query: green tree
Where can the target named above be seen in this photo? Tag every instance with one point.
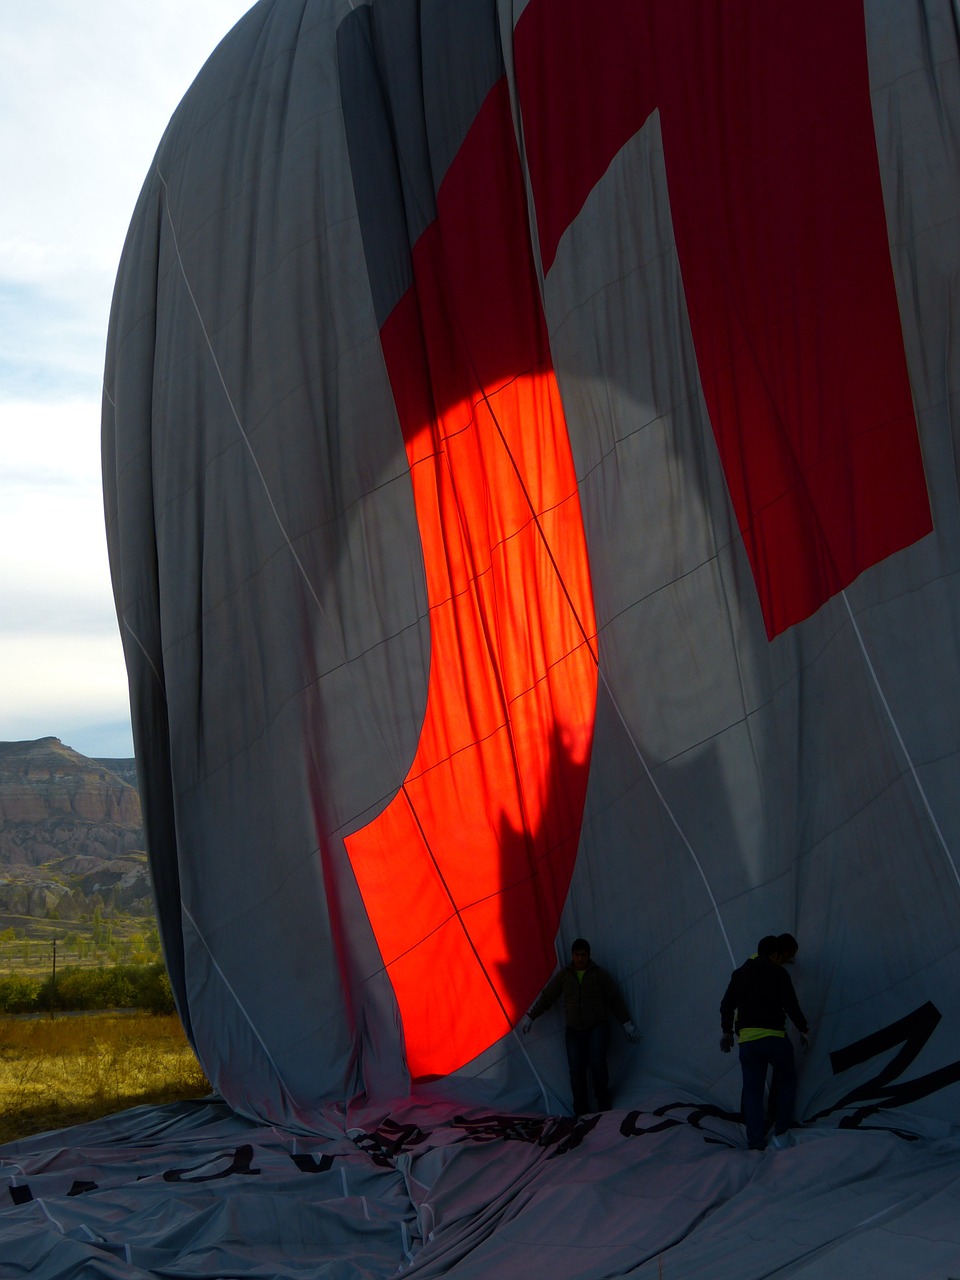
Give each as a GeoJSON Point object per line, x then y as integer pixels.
{"type": "Point", "coordinates": [18, 994]}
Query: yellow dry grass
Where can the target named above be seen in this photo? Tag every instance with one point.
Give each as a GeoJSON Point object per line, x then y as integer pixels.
{"type": "Point", "coordinates": [67, 1070]}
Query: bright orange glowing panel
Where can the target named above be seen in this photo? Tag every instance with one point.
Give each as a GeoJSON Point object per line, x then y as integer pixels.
{"type": "Point", "coordinates": [465, 873]}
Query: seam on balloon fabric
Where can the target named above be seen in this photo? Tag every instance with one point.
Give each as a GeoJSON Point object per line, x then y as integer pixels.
{"type": "Point", "coordinates": [903, 746]}
{"type": "Point", "coordinates": [226, 982]}
{"type": "Point", "coordinates": [670, 814]}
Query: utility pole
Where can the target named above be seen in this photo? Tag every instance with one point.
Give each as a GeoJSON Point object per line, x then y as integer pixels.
{"type": "Point", "coordinates": [53, 980]}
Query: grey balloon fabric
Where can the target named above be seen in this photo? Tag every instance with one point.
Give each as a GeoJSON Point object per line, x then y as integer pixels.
{"type": "Point", "coordinates": [194, 1190]}
{"type": "Point", "coordinates": [531, 495]}
{"type": "Point", "coordinates": [532, 507]}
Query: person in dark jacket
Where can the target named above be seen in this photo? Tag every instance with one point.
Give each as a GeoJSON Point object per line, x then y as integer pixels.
{"type": "Point", "coordinates": [760, 996]}
{"type": "Point", "coordinates": [590, 999]}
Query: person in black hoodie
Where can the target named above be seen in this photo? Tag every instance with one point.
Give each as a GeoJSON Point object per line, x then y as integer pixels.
{"type": "Point", "coordinates": [761, 997]}
{"type": "Point", "coordinates": [590, 998]}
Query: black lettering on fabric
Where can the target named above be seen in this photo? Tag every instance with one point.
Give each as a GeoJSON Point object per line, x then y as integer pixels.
{"type": "Point", "coordinates": [400, 1137]}
{"type": "Point", "coordinates": [390, 1140]}
{"type": "Point", "coordinates": [310, 1164]}
{"type": "Point", "coordinates": [80, 1187]}
{"type": "Point", "coordinates": [631, 1126]}
{"type": "Point", "coordinates": [912, 1032]}
{"type": "Point", "coordinates": [565, 1133]}
{"type": "Point", "coordinates": [21, 1195]}
{"type": "Point", "coordinates": [702, 1111]}
{"type": "Point", "coordinates": [240, 1162]}
{"type": "Point", "coordinates": [502, 1128]}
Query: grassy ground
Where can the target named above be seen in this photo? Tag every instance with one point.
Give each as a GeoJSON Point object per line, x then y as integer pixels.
{"type": "Point", "coordinates": [67, 1070]}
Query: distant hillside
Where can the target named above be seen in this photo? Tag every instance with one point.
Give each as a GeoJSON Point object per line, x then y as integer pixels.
{"type": "Point", "coordinates": [126, 770]}
{"type": "Point", "coordinates": [71, 834]}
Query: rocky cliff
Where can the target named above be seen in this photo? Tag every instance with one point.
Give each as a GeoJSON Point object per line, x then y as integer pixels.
{"type": "Point", "coordinates": [44, 781]}
{"type": "Point", "coordinates": [71, 834]}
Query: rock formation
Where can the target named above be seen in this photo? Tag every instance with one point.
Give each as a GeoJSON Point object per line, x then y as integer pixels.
{"type": "Point", "coordinates": [70, 832]}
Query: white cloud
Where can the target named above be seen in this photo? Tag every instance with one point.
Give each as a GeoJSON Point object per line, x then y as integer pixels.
{"type": "Point", "coordinates": [35, 690]}
{"type": "Point", "coordinates": [51, 505]}
{"type": "Point", "coordinates": [60, 657]}
{"type": "Point", "coordinates": [86, 93]}
{"type": "Point", "coordinates": [57, 441]}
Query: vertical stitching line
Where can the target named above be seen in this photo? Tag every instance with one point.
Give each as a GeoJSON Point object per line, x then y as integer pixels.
{"type": "Point", "coordinates": [899, 736]}
{"type": "Point", "coordinates": [226, 982]}
{"type": "Point", "coordinates": [229, 398]}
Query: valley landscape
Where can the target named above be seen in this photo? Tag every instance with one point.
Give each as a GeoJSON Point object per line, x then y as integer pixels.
{"type": "Point", "coordinates": [78, 936]}
{"type": "Point", "coordinates": [73, 870]}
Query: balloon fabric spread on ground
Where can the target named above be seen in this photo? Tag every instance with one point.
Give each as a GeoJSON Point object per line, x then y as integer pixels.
{"type": "Point", "coordinates": [531, 494]}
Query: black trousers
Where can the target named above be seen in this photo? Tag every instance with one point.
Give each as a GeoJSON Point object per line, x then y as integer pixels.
{"type": "Point", "coordinates": [587, 1054]}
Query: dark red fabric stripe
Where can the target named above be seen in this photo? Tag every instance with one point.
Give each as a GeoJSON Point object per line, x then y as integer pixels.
{"type": "Point", "coordinates": [781, 235]}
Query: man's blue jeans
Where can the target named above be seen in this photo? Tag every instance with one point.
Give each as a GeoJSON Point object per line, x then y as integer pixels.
{"type": "Point", "coordinates": [587, 1051]}
{"type": "Point", "coordinates": [755, 1057]}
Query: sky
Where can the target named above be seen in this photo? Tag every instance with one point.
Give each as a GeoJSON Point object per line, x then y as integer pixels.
{"type": "Point", "coordinates": [86, 90]}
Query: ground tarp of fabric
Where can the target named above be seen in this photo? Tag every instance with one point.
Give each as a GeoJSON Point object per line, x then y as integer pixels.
{"type": "Point", "coordinates": [194, 1191]}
